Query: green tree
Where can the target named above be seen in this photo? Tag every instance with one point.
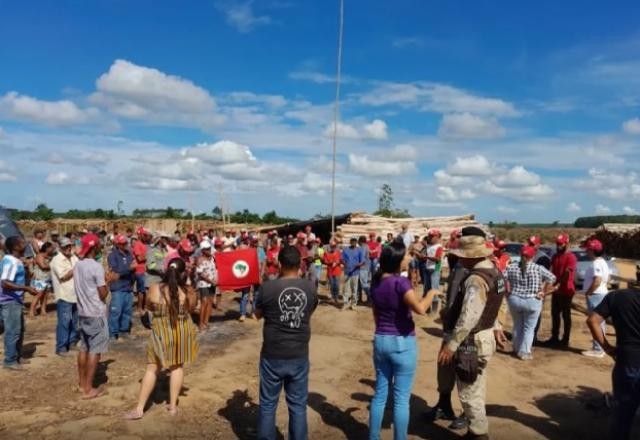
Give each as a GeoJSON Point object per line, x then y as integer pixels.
{"type": "Point", "coordinates": [385, 198]}
{"type": "Point", "coordinates": [43, 212]}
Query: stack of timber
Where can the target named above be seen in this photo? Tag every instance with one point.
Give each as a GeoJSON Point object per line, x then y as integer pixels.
{"type": "Point", "coordinates": [362, 224]}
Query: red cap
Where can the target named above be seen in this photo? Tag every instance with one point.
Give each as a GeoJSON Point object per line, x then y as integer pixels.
{"type": "Point", "coordinates": [528, 251]}
{"type": "Point", "coordinates": [434, 232]}
{"type": "Point", "coordinates": [562, 239]}
{"type": "Point", "coordinates": [593, 245]}
{"type": "Point", "coordinates": [142, 231]}
{"type": "Point", "coordinates": [534, 240]}
{"type": "Point", "coordinates": [500, 244]}
{"type": "Point", "coordinates": [88, 242]}
{"type": "Point", "coordinates": [372, 234]}
{"type": "Point", "coordinates": [301, 235]}
{"type": "Point", "coordinates": [455, 234]}
{"type": "Point", "coordinates": [218, 242]}
{"type": "Point", "coordinates": [120, 239]}
{"type": "Point", "coordinates": [186, 246]}
{"type": "Point", "coordinates": [491, 246]}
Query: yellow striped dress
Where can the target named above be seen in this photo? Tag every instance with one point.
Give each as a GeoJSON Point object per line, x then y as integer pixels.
{"type": "Point", "coordinates": [172, 345]}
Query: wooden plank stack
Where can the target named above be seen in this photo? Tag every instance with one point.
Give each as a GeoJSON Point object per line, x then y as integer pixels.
{"type": "Point", "coordinates": [362, 224]}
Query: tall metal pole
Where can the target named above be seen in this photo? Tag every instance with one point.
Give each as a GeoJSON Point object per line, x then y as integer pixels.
{"type": "Point", "coordinates": [336, 117]}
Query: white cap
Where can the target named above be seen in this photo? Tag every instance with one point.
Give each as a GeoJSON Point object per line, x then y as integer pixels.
{"type": "Point", "coordinates": [205, 244]}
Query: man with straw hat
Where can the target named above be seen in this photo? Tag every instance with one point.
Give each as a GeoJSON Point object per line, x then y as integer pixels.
{"type": "Point", "coordinates": [470, 322]}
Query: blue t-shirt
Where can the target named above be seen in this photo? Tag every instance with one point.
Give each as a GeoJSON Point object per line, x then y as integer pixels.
{"type": "Point", "coordinates": [351, 258]}
{"type": "Point", "coordinates": [12, 269]}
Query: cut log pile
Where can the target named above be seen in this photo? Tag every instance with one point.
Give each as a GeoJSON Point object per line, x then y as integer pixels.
{"type": "Point", "coordinates": [625, 244]}
{"type": "Point", "coordinates": [361, 224]}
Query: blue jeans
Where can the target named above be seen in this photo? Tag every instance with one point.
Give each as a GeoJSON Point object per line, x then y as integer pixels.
{"type": "Point", "coordinates": [626, 391]}
{"type": "Point", "coordinates": [394, 358]}
{"type": "Point", "coordinates": [318, 273]}
{"type": "Point", "coordinates": [244, 300]}
{"type": "Point", "coordinates": [373, 266]}
{"type": "Point", "coordinates": [120, 313]}
{"type": "Point", "coordinates": [334, 284]}
{"type": "Point", "coordinates": [13, 331]}
{"type": "Point", "coordinates": [525, 313]}
{"type": "Point", "coordinates": [140, 285]}
{"type": "Point", "coordinates": [364, 282]}
{"type": "Point", "coordinates": [294, 375]}
{"type": "Point", "coordinates": [594, 301]}
{"type": "Point", "coordinates": [67, 327]}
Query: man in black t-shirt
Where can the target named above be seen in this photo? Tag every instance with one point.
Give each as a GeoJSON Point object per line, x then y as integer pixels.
{"type": "Point", "coordinates": [286, 304]}
{"type": "Point", "coordinates": [623, 306]}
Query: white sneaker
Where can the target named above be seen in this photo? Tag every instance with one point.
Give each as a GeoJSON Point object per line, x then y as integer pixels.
{"type": "Point", "coordinates": [593, 353]}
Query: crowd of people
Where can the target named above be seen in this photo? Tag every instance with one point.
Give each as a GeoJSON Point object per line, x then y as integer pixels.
{"type": "Point", "coordinates": [96, 276]}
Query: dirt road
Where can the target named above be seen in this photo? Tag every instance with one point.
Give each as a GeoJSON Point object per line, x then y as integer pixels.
{"type": "Point", "coordinates": [558, 395]}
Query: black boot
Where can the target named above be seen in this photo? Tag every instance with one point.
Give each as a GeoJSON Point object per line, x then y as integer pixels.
{"type": "Point", "coordinates": [442, 411]}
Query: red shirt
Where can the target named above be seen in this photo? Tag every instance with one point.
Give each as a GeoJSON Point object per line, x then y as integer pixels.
{"type": "Point", "coordinates": [140, 251]}
{"type": "Point", "coordinates": [331, 257]}
{"type": "Point", "coordinates": [304, 254]}
{"type": "Point", "coordinates": [560, 263]}
{"type": "Point", "coordinates": [374, 249]}
{"type": "Point", "coordinates": [502, 261]}
{"type": "Point", "coordinates": [272, 260]}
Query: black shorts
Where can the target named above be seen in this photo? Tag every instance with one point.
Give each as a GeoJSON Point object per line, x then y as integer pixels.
{"type": "Point", "coordinates": [207, 292]}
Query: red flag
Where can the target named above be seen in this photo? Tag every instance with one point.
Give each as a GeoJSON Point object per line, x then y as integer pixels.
{"type": "Point", "coordinates": [237, 269]}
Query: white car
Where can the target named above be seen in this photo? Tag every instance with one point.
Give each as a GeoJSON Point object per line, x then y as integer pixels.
{"type": "Point", "coordinates": [583, 265]}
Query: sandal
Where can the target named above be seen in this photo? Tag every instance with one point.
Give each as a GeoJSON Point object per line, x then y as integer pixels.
{"type": "Point", "coordinates": [133, 415]}
{"type": "Point", "coordinates": [96, 392]}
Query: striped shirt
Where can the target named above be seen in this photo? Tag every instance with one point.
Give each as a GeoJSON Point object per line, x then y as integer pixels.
{"type": "Point", "coordinates": [530, 284]}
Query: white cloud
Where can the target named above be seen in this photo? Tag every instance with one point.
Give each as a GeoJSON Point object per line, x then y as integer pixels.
{"type": "Point", "coordinates": [507, 210]}
{"type": "Point", "coordinates": [400, 152]}
{"type": "Point", "coordinates": [468, 126]}
{"type": "Point", "coordinates": [364, 166]}
{"type": "Point", "coordinates": [517, 176]}
{"type": "Point", "coordinates": [573, 207]}
{"type": "Point", "coordinates": [632, 126]}
{"type": "Point", "coordinates": [444, 178]}
{"type": "Point", "coordinates": [221, 152]}
{"type": "Point", "coordinates": [611, 185]}
{"type": "Point", "coordinates": [52, 113]}
{"type": "Point", "coordinates": [59, 178]}
{"type": "Point", "coordinates": [376, 130]}
{"type": "Point", "coordinates": [240, 15]}
{"type": "Point", "coordinates": [602, 209]}
{"type": "Point", "coordinates": [6, 174]}
{"type": "Point", "coordinates": [520, 194]}
{"type": "Point", "coordinates": [435, 97]}
{"type": "Point", "coordinates": [137, 92]}
{"type": "Point", "coordinates": [477, 165]}
{"type": "Point", "coordinates": [448, 194]}
{"type": "Point", "coordinates": [316, 77]}
{"type": "Point", "coordinates": [629, 210]}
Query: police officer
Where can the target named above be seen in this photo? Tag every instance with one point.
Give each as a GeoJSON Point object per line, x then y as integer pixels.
{"type": "Point", "coordinates": [472, 316]}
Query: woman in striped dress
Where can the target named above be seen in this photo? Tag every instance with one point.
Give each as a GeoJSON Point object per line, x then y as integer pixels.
{"type": "Point", "coordinates": [173, 341]}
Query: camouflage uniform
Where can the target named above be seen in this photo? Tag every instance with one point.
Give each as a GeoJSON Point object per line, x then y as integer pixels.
{"type": "Point", "coordinates": [472, 395]}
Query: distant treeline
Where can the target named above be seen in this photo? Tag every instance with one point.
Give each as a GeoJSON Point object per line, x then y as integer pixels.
{"type": "Point", "coordinates": [44, 213]}
{"type": "Point", "coordinates": [599, 220]}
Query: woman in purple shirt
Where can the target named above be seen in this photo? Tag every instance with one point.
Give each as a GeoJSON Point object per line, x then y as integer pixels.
{"type": "Point", "coordinates": [394, 345]}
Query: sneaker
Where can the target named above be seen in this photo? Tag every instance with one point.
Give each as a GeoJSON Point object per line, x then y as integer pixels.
{"type": "Point", "coordinates": [593, 353]}
{"type": "Point", "coordinates": [437, 413]}
{"type": "Point", "coordinates": [459, 423]}
{"type": "Point", "coordinates": [63, 353]}
{"type": "Point", "coordinates": [14, 367]}
{"type": "Point", "coordinates": [525, 357]}
{"type": "Point", "coordinates": [241, 319]}
{"type": "Point", "coordinates": [550, 343]}
{"type": "Point", "coordinates": [353, 307]}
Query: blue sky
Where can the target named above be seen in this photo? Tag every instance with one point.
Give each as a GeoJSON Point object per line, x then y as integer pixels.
{"type": "Point", "coordinates": [527, 113]}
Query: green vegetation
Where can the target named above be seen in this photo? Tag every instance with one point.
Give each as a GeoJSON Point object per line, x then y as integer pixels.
{"type": "Point", "coordinates": [386, 206]}
{"type": "Point", "coordinates": [44, 213]}
{"type": "Point", "coordinates": [599, 220]}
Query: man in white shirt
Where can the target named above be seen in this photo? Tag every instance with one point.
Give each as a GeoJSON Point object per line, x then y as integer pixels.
{"type": "Point", "coordinates": [407, 238]}
{"type": "Point", "coordinates": [66, 301]}
{"type": "Point", "coordinates": [595, 283]}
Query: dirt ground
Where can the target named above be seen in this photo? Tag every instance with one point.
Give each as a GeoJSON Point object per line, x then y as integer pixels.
{"type": "Point", "coordinates": [558, 395]}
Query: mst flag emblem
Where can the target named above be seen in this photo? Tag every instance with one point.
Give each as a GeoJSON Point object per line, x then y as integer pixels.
{"type": "Point", "coordinates": [237, 269]}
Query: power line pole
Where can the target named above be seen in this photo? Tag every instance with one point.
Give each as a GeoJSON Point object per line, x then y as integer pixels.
{"type": "Point", "coordinates": [336, 117]}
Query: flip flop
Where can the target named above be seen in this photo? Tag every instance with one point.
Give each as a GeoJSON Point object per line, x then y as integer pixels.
{"type": "Point", "coordinates": [133, 415]}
